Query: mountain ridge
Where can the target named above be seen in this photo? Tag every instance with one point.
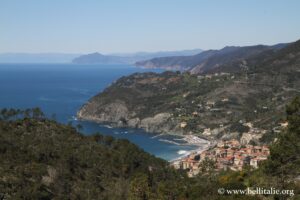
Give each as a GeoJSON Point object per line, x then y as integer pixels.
{"type": "Point", "coordinates": [210, 59]}
{"type": "Point", "coordinates": [130, 58]}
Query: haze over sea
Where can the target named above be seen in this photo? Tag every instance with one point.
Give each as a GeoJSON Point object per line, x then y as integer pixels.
{"type": "Point", "coordinates": [61, 89]}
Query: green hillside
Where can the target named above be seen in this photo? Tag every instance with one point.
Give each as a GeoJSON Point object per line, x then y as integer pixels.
{"type": "Point", "coordinates": [41, 159]}
{"type": "Point", "coordinates": [248, 91]}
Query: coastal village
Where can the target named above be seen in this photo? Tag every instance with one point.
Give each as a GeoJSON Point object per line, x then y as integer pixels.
{"type": "Point", "coordinates": [226, 155]}
{"type": "Point", "coordinates": [230, 154]}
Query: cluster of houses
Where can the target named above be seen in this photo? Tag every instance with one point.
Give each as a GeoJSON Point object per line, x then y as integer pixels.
{"type": "Point", "coordinates": [226, 155]}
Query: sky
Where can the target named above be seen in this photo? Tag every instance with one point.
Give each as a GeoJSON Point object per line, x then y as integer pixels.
{"type": "Point", "coordinates": [115, 26]}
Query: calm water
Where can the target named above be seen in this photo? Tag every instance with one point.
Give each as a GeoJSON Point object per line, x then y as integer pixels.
{"type": "Point", "coordinates": [61, 89]}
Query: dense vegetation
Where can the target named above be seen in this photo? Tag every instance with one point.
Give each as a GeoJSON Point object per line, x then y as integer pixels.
{"type": "Point", "coordinates": [41, 159]}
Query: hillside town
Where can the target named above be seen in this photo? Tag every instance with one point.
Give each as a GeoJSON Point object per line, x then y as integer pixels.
{"type": "Point", "coordinates": [226, 155]}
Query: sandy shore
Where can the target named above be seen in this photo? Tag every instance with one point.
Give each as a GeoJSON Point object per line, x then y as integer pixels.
{"type": "Point", "coordinates": [194, 140]}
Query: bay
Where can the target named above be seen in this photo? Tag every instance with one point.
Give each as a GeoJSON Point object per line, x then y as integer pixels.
{"type": "Point", "coordinates": [61, 89]}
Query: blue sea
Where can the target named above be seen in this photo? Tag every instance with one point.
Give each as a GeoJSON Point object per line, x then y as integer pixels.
{"type": "Point", "coordinates": [61, 89]}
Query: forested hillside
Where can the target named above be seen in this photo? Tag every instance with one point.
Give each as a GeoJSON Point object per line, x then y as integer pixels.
{"type": "Point", "coordinates": [41, 159]}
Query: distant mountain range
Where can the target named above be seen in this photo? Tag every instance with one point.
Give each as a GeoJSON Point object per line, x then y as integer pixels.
{"type": "Point", "coordinates": [93, 58]}
{"type": "Point", "coordinates": [209, 60]}
{"type": "Point", "coordinates": [97, 58]}
{"type": "Point", "coordinates": [129, 58]}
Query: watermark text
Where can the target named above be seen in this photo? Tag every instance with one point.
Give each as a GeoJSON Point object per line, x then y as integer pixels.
{"type": "Point", "coordinates": [255, 191]}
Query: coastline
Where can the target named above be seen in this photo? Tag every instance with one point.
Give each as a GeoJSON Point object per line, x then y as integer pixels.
{"type": "Point", "coordinates": [205, 146]}
{"type": "Point", "coordinates": [189, 139]}
{"type": "Point", "coordinates": [193, 140]}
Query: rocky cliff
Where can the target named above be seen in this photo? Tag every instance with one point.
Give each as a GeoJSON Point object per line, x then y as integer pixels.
{"type": "Point", "coordinates": [126, 104]}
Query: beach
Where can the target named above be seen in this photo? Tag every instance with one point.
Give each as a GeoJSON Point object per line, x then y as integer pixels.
{"type": "Point", "coordinates": [193, 140]}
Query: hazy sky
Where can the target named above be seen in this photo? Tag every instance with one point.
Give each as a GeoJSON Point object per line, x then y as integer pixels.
{"type": "Point", "coordinates": [82, 26]}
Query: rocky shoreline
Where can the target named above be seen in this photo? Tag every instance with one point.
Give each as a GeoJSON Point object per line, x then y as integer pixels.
{"type": "Point", "coordinates": [157, 124]}
{"type": "Point", "coordinates": [116, 114]}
